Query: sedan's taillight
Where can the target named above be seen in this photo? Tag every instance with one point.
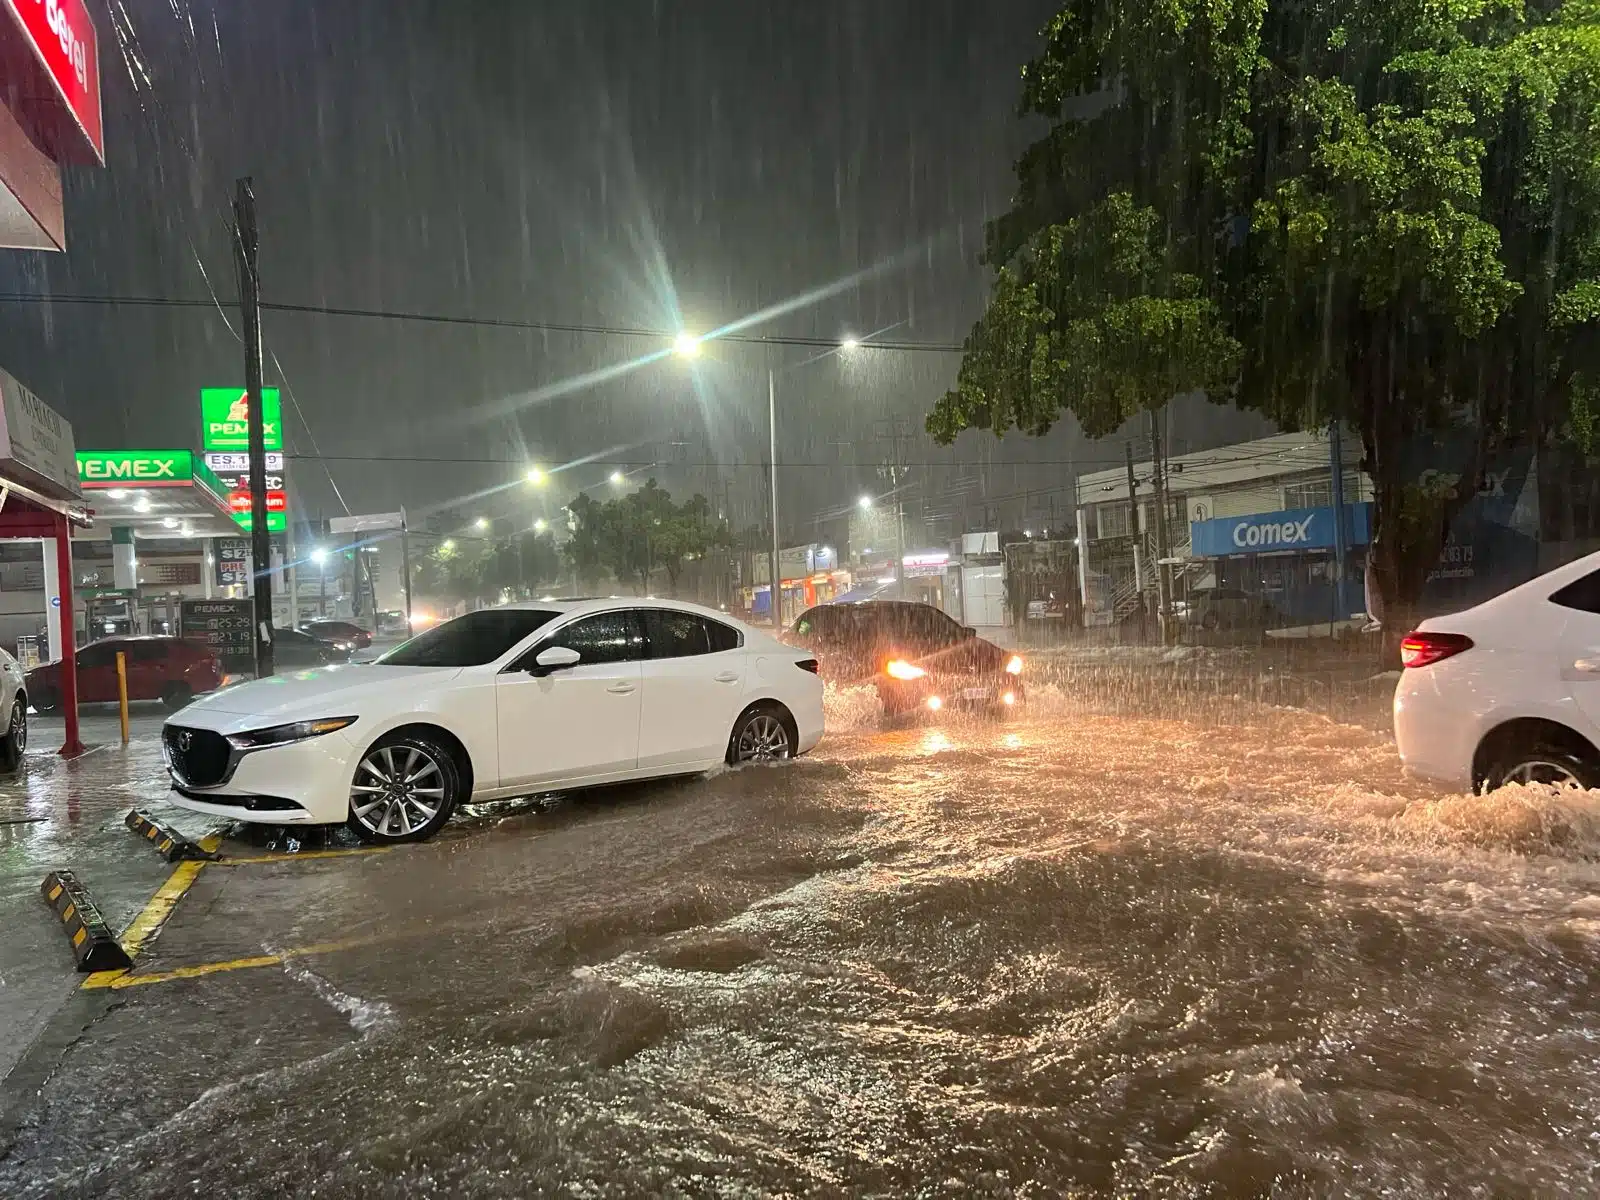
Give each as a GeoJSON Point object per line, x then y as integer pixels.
{"type": "Point", "coordinates": [1422, 649]}
{"type": "Point", "coordinates": [807, 664]}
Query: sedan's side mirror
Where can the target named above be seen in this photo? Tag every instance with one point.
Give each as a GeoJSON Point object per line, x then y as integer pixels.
{"type": "Point", "coordinates": [555, 658]}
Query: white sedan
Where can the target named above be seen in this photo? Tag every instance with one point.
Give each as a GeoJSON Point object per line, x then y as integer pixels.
{"type": "Point", "coordinates": [1508, 691]}
{"type": "Point", "coordinates": [503, 702]}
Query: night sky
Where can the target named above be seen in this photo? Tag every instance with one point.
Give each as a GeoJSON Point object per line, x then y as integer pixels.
{"type": "Point", "coordinates": [619, 163]}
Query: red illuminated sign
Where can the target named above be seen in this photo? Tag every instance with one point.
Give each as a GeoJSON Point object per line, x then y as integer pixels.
{"type": "Point", "coordinates": [277, 502]}
{"type": "Point", "coordinates": [62, 40]}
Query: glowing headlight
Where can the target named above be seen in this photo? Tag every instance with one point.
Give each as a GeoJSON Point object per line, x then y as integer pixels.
{"type": "Point", "coordinates": [1014, 666]}
{"type": "Point", "coordinates": [899, 669]}
{"type": "Point", "coordinates": [282, 735]}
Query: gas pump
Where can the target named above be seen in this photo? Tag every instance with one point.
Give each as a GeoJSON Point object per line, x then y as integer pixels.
{"type": "Point", "coordinates": [110, 614]}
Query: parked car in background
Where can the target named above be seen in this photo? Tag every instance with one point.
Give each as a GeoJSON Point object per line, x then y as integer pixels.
{"type": "Point", "coordinates": [337, 632]}
{"type": "Point", "coordinates": [916, 655]}
{"type": "Point", "coordinates": [1509, 691]}
{"type": "Point", "coordinates": [14, 711]}
{"type": "Point", "coordinates": [161, 668]}
{"type": "Point", "coordinates": [501, 702]}
{"type": "Point", "coordinates": [392, 623]}
{"type": "Point", "coordinates": [1224, 608]}
{"type": "Point", "coordinates": [296, 649]}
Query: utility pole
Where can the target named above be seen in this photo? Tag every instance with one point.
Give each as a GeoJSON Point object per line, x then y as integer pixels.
{"type": "Point", "coordinates": [725, 580]}
{"type": "Point", "coordinates": [1158, 481]}
{"type": "Point", "coordinates": [1340, 551]}
{"type": "Point", "coordinates": [247, 245]}
{"type": "Point", "coordinates": [775, 583]}
{"type": "Point", "coordinates": [405, 571]}
{"type": "Point", "coordinates": [895, 471]}
{"type": "Point", "coordinates": [1133, 525]}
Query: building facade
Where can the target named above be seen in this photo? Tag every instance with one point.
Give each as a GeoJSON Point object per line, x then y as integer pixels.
{"type": "Point", "coordinates": [1257, 516]}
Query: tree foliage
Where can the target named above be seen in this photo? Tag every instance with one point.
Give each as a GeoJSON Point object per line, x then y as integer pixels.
{"type": "Point", "coordinates": [633, 536]}
{"type": "Point", "coordinates": [492, 570]}
{"type": "Point", "coordinates": [1386, 213]}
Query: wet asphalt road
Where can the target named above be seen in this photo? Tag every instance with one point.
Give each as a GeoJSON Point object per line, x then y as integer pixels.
{"type": "Point", "coordinates": [1223, 949]}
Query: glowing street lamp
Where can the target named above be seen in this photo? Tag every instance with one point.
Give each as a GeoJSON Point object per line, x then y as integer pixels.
{"type": "Point", "coordinates": [849, 344]}
{"type": "Point", "coordinates": [865, 502]}
{"type": "Point", "coordinates": [617, 479]}
{"type": "Point", "coordinates": [448, 545]}
{"type": "Point", "coordinates": [319, 556]}
{"type": "Point", "coordinates": [540, 525]}
{"type": "Point", "coordinates": [481, 524]}
{"type": "Point", "coordinates": [686, 345]}
{"type": "Point", "coordinates": [536, 476]}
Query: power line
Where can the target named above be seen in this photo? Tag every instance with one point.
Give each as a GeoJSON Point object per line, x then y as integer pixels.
{"type": "Point", "coordinates": [383, 314]}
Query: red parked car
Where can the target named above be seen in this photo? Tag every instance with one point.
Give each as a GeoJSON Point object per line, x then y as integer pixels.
{"type": "Point", "coordinates": [167, 669]}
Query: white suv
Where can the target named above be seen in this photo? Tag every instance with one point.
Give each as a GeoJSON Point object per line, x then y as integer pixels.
{"type": "Point", "coordinates": [1508, 691]}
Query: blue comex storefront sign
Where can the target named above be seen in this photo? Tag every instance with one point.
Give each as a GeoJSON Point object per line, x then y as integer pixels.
{"type": "Point", "coordinates": [1275, 532]}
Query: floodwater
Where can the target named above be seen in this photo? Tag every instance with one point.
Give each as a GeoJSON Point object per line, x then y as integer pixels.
{"type": "Point", "coordinates": [1224, 950]}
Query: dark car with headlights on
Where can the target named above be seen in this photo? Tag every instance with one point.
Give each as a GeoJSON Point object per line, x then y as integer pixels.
{"type": "Point", "coordinates": [337, 632]}
{"type": "Point", "coordinates": [915, 655]}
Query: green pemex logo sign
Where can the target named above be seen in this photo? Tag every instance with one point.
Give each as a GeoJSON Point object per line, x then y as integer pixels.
{"type": "Point", "coordinates": [225, 417]}
{"type": "Point", "coordinates": [135, 468]}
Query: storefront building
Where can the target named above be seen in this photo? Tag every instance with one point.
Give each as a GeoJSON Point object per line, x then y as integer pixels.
{"type": "Point", "coordinates": [49, 115]}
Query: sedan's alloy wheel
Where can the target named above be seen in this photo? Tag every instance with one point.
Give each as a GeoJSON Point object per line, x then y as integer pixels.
{"type": "Point", "coordinates": [764, 738]}
{"type": "Point", "coordinates": [1550, 771]}
{"type": "Point", "coordinates": [397, 790]}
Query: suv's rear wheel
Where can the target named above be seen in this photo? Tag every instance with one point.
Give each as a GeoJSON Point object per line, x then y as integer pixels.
{"type": "Point", "coordinates": [404, 790]}
{"type": "Point", "coordinates": [176, 695]}
{"type": "Point", "coordinates": [14, 744]}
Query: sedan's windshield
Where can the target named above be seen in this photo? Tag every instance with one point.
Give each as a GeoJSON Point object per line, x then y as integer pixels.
{"type": "Point", "coordinates": [468, 641]}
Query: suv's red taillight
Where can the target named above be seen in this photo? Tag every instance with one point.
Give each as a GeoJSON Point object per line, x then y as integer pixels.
{"type": "Point", "coordinates": [1424, 649]}
{"type": "Point", "coordinates": [808, 664]}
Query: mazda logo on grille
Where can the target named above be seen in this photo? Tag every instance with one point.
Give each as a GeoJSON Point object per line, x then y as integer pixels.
{"type": "Point", "coordinates": [185, 740]}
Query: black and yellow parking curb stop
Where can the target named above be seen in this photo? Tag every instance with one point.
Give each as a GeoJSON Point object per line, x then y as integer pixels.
{"type": "Point", "coordinates": [92, 943]}
{"type": "Point", "coordinates": [168, 842]}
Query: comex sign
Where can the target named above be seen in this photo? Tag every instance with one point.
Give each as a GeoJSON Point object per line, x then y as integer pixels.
{"type": "Point", "coordinates": [1264, 533]}
{"type": "Point", "coordinates": [1274, 535]}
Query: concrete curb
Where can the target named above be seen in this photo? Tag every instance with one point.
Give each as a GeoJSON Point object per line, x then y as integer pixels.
{"type": "Point", "coordinates": [169, 843]}
{"type": "Point", "coordinates": [92, 943]}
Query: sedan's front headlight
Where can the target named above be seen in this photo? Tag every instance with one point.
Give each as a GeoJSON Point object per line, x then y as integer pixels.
{"type": "Point", "coordinates": [1014, 666]}
{"type": "Point", "coordinates": [282, 735]}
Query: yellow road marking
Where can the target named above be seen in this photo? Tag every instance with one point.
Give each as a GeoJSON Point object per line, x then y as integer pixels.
{"type": "Point", "coordinates": [122, 979]}
{"type": "Point", "coordinates": [250, 860]}
{"type": "Point", "coordinates": [149, 919]}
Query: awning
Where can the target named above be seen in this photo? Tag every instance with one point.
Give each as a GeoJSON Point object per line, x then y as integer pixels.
{"type": "Point", "coordinates": [156, 493]}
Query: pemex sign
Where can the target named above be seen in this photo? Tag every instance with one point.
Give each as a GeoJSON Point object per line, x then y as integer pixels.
{"type": "Point", "coordinates": [225, 418]}
{"type": "Point", "coordinates": [135, 468]}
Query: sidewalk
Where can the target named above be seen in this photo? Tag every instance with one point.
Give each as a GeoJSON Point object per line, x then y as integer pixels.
{"type": "Point", "coordinates": [59, 814]}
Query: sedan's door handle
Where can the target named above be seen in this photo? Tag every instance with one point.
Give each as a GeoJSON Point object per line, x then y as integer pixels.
{"type": "Point", "coordinates": [728, 677]}
{"type": "Point", "coordinates": [1587, 666]}
{"type": "Point", "coordinates": [620, 689]}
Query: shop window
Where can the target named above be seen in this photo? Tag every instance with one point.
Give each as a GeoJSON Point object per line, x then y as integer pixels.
{"type": "Point", "coordinates": [1317, 494]}
{"type": "Point", "coordinates": [1114, 520]}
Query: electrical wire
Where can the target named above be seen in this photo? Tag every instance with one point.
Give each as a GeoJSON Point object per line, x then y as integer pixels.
{"type": "Point", "coordinates": [381, 314]}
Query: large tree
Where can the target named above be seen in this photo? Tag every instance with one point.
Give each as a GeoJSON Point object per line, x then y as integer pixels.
{"type": "Point", "coordinates": [1385, 212]}
{"type": "Point", "coordinates": [638, 534]}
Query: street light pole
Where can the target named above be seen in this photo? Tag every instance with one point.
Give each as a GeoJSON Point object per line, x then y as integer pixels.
{"type": "Point", "coordinates": [776, 584]}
